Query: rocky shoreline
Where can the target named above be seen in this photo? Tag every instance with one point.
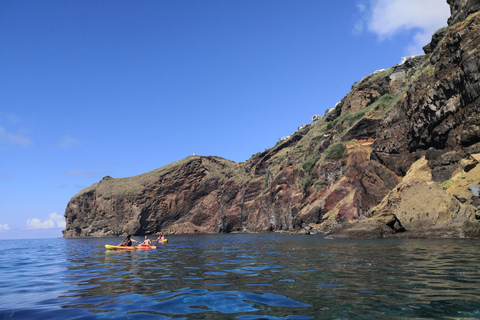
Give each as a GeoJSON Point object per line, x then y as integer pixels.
{"type": "Point", "coordinates": [397, 157]}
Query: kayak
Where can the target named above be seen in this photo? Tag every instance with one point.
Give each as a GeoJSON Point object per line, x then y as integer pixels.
{"type": "Point", "coordinates": [111, 247]}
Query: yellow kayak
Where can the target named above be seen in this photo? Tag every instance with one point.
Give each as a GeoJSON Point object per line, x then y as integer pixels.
{"type": "Point", "coordinates": [111, 247]}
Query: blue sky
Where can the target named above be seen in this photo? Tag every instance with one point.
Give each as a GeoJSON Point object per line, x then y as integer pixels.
{"type": "Point", "coordinates": [119, 88]}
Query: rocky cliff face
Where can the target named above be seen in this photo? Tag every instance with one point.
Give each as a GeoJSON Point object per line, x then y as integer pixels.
{"type": "Point", "coordinates": [181, 196]}
{"type": "Point", "coordinates": [461, 9]}
{"type": "Point", "coordinates": [397, 157]}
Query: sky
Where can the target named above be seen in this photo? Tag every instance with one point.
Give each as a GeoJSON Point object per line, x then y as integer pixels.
{"type": "Point", "coordinates": [119, 88]}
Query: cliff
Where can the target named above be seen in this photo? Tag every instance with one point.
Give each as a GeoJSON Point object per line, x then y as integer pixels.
{"type": "Point", "coordinates": [397, 157]}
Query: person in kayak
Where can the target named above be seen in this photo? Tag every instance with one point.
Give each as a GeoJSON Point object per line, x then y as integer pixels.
{"type": "Point", "coordinates": [127, 242]}
{"type": "Point", "coordinates": [161, 238]}
{"type": "Point", "coordinates": [146, 242]}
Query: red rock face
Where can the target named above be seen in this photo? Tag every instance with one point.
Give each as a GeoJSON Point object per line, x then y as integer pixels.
{"type": "Point", "coordinates": [428, 106]}
{"type": "Point", "coordinates": [198, 196]}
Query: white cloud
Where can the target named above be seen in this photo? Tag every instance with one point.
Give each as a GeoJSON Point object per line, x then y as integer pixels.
{"type": "Point", "coordinates": [387, 18]}
{"type": "Point", "coordinates": [360, 23]}
{"type": "Point", "coordinates": [35, 223]}
{"type": "Point", "coordinates": [4, 227]}
{"type": "Point", "coordinates": [54, 220]}
{"type": "Point", "coordinates": [68, 142]}
{"type": "Point", "coordinates": [11, 138]}
{"type": "Point", "coordinates": [59, 219]}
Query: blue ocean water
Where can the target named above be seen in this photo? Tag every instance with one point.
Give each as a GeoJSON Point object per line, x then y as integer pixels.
{"type": "Point", "coordinates": [241, 276]}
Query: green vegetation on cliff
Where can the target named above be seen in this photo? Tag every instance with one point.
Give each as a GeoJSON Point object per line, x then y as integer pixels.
{"type": "Point", "coordinates": [399, 135]}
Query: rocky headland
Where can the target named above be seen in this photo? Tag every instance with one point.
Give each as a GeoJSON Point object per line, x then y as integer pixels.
{"type": "Point", "coordinates": [397, 157]}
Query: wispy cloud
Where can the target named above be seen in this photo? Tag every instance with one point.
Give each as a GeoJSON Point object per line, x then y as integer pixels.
{"type": "Point", "coordinates": [12, 138]}
{"type": "Point", "coordinates": [363, 17]}
{"type": "Point", "coordinates": [387, 18]}
{"type": "Point", "coordinates": [81, 173]}
{"type": "Point", "coordinates": [54, 221]}
{"type": "Point", "coordinates": [4, 176]}
{"type": "Point", "coordinates": [11, 118]}
{"type": "Point", "coordinates": [4, 227]}
{"type": "Point", "coordinates": [68, 142]}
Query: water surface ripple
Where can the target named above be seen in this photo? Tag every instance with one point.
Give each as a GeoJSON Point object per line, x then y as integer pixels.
{"type": "Point", "coordinates": [241, 276]}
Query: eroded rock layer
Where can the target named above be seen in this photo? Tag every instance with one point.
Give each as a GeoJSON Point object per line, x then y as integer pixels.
{"type": "Point", "coordinates": [397, 157]}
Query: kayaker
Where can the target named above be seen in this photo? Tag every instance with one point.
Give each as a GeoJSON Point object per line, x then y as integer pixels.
{"type": "Point", "coordinates": [127, 242]}
{"type": "Point", "coordinates": [160, 239]}
{"type": "Point", "coordinates": [146, 242]}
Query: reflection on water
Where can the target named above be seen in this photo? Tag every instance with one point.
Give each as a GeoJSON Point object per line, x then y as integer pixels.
{"type": "Point", "coordinates": [264, 276]}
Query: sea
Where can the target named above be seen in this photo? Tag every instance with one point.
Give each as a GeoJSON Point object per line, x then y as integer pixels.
{"type": "Point", "coordinates": [241, 276]}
